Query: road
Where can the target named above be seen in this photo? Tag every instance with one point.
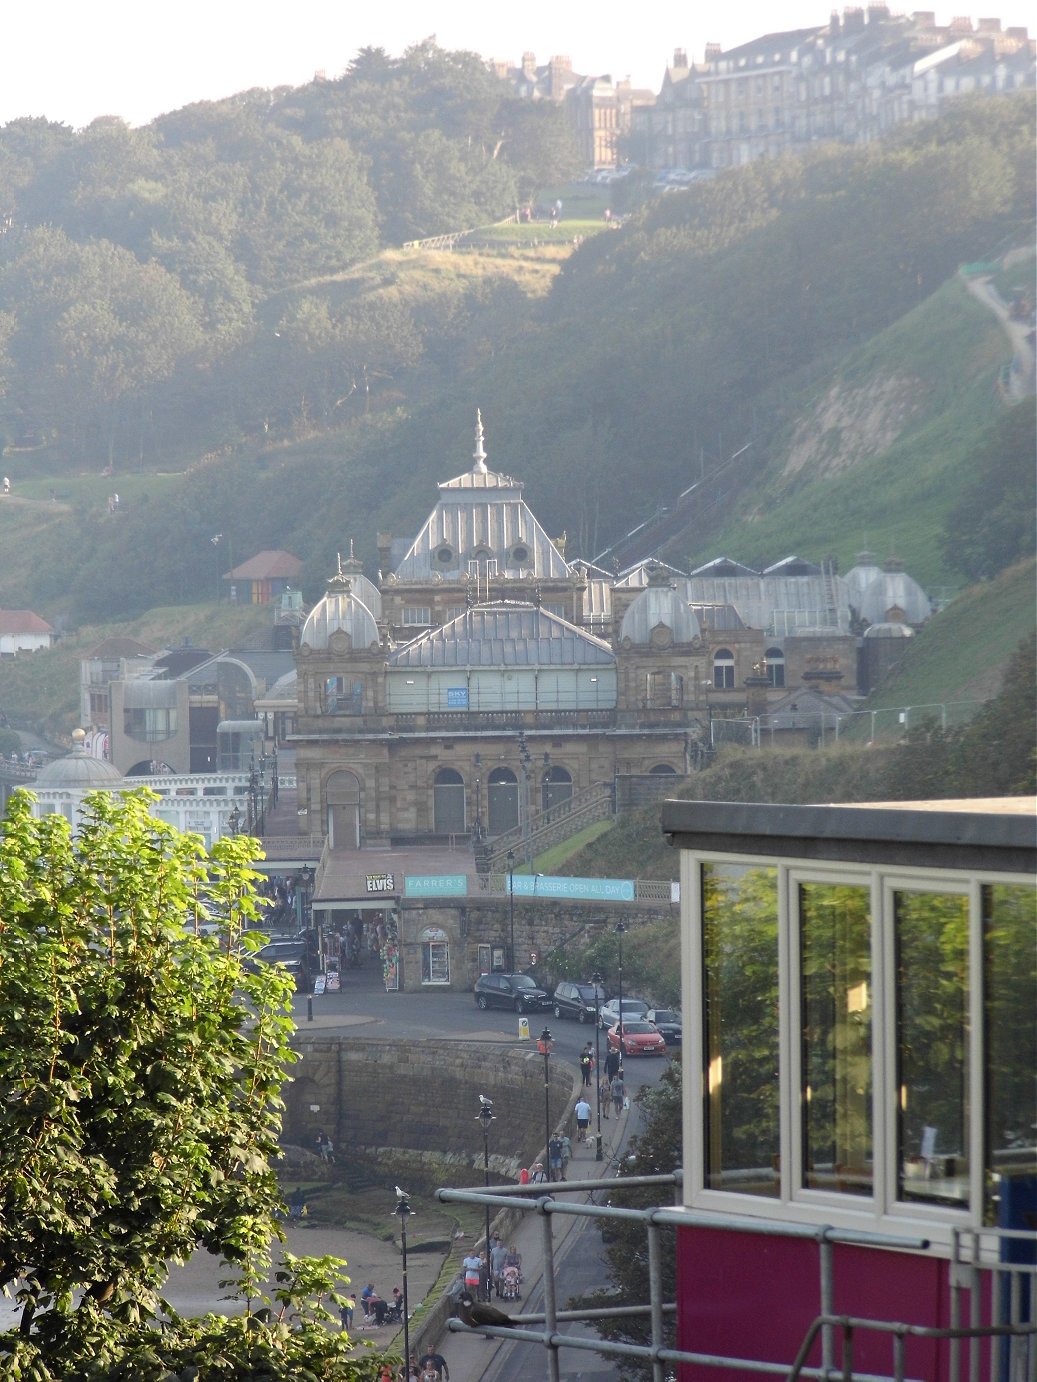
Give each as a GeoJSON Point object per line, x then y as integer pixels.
{"type": "Point", "coordinates": [580, 1264]}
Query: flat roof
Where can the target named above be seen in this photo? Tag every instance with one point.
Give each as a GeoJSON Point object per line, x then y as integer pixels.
{"type": "Point", "coordinates": [982, 834]}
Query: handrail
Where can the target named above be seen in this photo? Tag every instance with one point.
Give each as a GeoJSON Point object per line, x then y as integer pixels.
{"type": "Point", "coordinates": [850, 1324]}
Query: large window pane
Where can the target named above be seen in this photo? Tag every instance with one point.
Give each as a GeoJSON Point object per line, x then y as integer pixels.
{"type": "Point", "coordinates": [740, 962]}
{"type": "Point", "coordinates": [835, 957]}
{"type": "Point", "coordinates": [1010, 946]}
{"type": "Point", "coordinates": [931, 932]}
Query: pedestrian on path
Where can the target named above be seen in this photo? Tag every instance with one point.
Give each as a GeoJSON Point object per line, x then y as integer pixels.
{"type": "Point", "coordinates": [554, 1158]}
{"type": "Point", "coordinates": [587, 1064]}
{"type": "Point", "coordinates": [567, 1151]}
{"type": "Point", "coordinates": [604, 1097]}
{"type": "Point", "coordinates": [583, 1118]}
{"type": "Point", "coordinates": [612, 1063]}
{"type": "Point", "coordinates": [618, 1091]}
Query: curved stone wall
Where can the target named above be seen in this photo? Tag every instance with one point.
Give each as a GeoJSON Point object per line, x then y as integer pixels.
{"type": "Point", "coordinates": [422, 1098]}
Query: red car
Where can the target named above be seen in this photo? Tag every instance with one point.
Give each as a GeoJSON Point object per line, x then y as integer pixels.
{"type": "Point", "coordinates": [639, 1039]}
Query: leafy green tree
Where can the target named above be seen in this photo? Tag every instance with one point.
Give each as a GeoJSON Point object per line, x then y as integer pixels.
{"type": "Point", "coordinates": [141, 1065]}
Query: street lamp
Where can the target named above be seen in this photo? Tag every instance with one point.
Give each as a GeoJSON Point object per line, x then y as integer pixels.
{"type": "Point", "coordinates": [403, 1209]}
{"type": "Point", "coordinates": [544, 1044]}
{"type": "Point", "coordinates": [486, 1116]}
{"type": "Point", "coordinates": [478, 799]}
{"type": "Point", "coordinates": [597, 981]}
{"type": "Point", "coordinates": [511, 906]}
{"type": "Point", "coordinates": [621, 931]}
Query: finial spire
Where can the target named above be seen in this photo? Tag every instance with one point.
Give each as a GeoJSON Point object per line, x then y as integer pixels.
{"type": "Point", "coordinates": [480, 451]}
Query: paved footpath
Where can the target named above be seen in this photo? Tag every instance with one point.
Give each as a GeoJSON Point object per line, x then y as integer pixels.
{"type": "Point", "coordinates": [473, 1357]}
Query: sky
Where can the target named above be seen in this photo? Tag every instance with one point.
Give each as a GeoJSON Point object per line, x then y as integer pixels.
{"type": "Point", "coordinates": [72, 61]}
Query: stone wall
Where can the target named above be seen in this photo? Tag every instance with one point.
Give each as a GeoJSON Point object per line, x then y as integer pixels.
{"type": "Point", "coordinates": [421, 1100]}
{"type": "Point", "coordinates": [485, 921]}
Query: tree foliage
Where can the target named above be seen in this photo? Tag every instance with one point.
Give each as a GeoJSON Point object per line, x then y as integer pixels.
{"type": "Point", "coordinates": [141, 1064]}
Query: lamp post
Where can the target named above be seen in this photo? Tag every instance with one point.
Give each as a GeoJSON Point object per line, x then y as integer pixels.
{"type": "Point", "coordinates": [621, 931]}
{"type": "Point", "coordinates": [486, 1116]}
{"type": "Point", "coordinates": [597, 981]}
{"type": "Point", "coordinates": [403, 1209]}
{"type": "Point", "coordinates": [511, 907]}
{"type": "Point", "coordinates": [544, 1044]}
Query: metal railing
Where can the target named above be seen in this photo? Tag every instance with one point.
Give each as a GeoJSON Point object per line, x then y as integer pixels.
{"type": "Point", "coordinates": [1014, 1340]}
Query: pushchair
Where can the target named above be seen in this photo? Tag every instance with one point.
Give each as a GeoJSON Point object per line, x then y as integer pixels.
{"type": "Point", "coordinates": [510, 1281]}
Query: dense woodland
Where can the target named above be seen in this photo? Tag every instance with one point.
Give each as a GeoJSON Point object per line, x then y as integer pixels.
{"type": "Point", "coordinates": [188, 295]}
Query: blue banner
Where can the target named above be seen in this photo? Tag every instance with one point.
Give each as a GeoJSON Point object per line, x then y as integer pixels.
{"type": "Point", "coordinates": [436, 885]}
{"type": "Point", "coordinates": [457, 697]}
{"type": "Point", "coordinates": [580, 889]}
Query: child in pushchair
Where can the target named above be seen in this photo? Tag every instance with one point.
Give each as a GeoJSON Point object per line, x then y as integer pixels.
{"type": "Point", "coordinates": [510, 1281]}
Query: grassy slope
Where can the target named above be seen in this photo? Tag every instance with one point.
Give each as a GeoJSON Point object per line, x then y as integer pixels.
{"type": "Point", "coordinates": [895, 501]}
{"type": "Point", "coordinates": [960, 654]}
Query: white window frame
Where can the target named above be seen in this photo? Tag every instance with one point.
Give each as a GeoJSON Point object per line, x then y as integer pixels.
{"type": "Point", "coordinates": [881, 1212]}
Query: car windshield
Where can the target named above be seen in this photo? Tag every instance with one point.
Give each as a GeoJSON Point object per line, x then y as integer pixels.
{"type": "Point", "coordinates": [638, 1029]}
{"type": "Point", "coordinates": [523, 981]}
{"type": "Point", "coordinates": [632, 1005]}
{"type": "Point", "coordinates": [664, 1015]}
{"type": "Point", "coordinates": [586, 992]}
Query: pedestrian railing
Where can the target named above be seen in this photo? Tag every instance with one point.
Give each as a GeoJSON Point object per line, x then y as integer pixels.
{"type": "Point", "coordinates": [1013, 1338]}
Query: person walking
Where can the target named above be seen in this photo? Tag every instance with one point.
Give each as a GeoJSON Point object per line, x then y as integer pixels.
{"type": "Point", "coordinates": [554, 1158]}
{"type": "Point", "coordinates": [498, 1252]}
{"type": "Point", "coordinates": [618, 1091]}
{"type": "Point", "coordinates": [587, 1064]}
{"type": "Point", "coordinates": [583, 1118]}
{"type": "Point", "coordinates": [612, 1064]}
{"type": "Point", "coordinates": [567, 1151]}
{"type": "Point", "coordinates": [604, 1097]}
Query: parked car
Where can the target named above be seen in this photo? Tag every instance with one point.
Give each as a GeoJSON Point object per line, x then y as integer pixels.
{"type": "Point", "coordinates": [577, 1000]}
{"type": "Point", "coordinates": [516, 991]}
{"type": "Point", "coordinates": [668, 1022]}
{"type": "Point", "coordinates": [289, 953]}
{"type": "Point", "coordinates": [639, 1039]}
{"type": "Point", "coordinates": [634, 1010]}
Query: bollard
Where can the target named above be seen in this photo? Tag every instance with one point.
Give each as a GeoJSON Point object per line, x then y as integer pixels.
{"type": "Point", "coordinates": [523, 1029]}
{"type": "Point", "coordinates": [309, 1008]}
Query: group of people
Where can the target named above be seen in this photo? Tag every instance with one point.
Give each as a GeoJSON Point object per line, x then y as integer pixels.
{"type": "Point", "coordinates": [611, 1087]}
{"type": "Point", "coordinates": [375, 1309]}
{"type": "Point", "coordinates": [483, 1274]}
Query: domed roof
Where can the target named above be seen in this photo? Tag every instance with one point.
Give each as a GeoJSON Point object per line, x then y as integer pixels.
{"type": "Point", "coordinates": [659, 608]}
{"type": "Point", "coordinates": [341, 610]}
{"type": "Point", "coordinates": [893, 590]}
{"type": "Point", "coordinates": [865, 570]}
{"type": "Point", "coordinates": [79, 770]}
{"type": "Point", "coordinates": [889, 631]}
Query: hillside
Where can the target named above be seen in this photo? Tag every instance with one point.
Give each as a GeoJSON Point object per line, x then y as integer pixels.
{"type": "Point", "coordinates": [787, 300]}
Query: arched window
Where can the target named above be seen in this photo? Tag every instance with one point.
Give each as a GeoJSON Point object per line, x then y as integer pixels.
{"type": "Point", "coordinates": [448, 803]}
{"type": "Point", "coordinates": [663, 770]}
{"type": "Point", "coordinates": [502, 801]}
{"type": "Point", "coordinates": [775, 666]}
{"type": "Point", "coordinates": [723, 669]}
{"type": "Point", "coordinates": [557, 788]}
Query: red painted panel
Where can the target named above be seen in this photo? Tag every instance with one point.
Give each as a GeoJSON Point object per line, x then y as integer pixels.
{"type": "Point", "coordinates": [745, 1296]}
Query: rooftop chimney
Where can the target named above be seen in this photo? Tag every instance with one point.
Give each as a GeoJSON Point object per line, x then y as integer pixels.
{"type": "Point", "coordinates": [713, 51]}
{"type": "Point", "coordinates": [680, 57]}
{"type": "Point", "coordinates": [924, 19]}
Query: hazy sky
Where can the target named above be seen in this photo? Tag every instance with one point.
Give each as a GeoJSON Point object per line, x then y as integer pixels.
{"type": "Point", "coordinates": [72, 60]}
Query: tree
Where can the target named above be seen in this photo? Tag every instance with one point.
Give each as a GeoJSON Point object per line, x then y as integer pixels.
{"type": "Point", "coordinates": [141, 1065]}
